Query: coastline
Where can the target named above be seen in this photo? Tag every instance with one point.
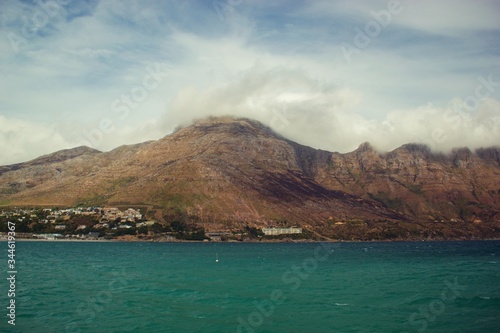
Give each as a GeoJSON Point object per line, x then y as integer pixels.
{"type": "Point", "coordinates": [267, 241]}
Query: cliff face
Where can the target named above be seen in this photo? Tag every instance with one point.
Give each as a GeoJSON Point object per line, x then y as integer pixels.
{"type": "Point", "coordinates": [225, 172]}
{"type": "Point", "coordinates": [460, 186]}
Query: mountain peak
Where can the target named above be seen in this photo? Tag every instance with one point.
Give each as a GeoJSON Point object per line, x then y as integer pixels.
{"type": "Point", "coordinates": [230, 125]}
{"type": "Point", "coordinates": [65, 154]}
{"type": "Point", "coordinates": [365, 147]}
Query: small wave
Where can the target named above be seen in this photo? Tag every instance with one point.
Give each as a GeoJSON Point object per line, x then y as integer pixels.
{"type": "Point", "coordinates": [341, 304]}
{"type": "Point", "coordinates": [485, 297]}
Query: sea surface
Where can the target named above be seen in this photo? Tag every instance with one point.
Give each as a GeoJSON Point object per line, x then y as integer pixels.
{"type": "Point", "coordinates": [267, 287]}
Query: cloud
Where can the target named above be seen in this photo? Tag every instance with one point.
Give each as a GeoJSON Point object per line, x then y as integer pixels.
{"type": "Point", "coordinates": [461, 16]}
{"type": "Point", "coordinates": [278, 62]}
{"type": "Point", "coordinates": [319, 115]}
{"type": "Point", "coordinates": [21, 140]}
{"type": "Point", "coordinates": [447, 17]}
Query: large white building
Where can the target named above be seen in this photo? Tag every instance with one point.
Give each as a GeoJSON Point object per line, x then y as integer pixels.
{"type": "Point", "coordinates": [273, 231]}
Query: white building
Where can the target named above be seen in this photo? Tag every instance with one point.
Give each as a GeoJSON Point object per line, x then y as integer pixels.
{"type": "Point", "coordinates": [273, 231]}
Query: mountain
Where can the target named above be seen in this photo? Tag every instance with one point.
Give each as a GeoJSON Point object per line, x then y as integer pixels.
{"type": "Point", "coordinates": [224, 173]}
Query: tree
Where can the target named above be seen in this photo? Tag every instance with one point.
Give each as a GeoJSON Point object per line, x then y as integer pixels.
{"type": "Point", "coordinates": [254, 232]}
{"type": "Point", "coordinates": [179, 226]}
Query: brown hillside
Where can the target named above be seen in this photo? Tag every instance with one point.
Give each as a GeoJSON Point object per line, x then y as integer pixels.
{"type": "Point", "coordinates": [224, 173]}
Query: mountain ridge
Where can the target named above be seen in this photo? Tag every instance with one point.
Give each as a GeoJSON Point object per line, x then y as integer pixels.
{"type": "Point", "coordinates": [225, 172]}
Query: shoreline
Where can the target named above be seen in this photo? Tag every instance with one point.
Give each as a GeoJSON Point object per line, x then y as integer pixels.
{"type": "Point", "coordinates": [247, 241]}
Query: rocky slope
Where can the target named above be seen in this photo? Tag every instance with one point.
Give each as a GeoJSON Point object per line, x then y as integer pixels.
{"type": "Point", "coordinates": [224, 173]}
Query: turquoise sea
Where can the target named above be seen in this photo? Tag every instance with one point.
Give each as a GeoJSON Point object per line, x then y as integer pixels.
{"type": "Point", "coordinates": [269, 287]}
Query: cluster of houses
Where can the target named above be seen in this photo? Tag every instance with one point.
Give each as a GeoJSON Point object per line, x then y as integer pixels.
{"type": "Point", "coordinates": [18, 214]}
{"type": "Point", "coordinates": [109, 218]}
{"type": "Point", "coordinates": [125, 218]}
{"type": "Point", "coordinates": [89, 236]}
{"type": "Point", "coordinates": [106, 214]}
{"type": "Point", "coordinates": [113, 218]}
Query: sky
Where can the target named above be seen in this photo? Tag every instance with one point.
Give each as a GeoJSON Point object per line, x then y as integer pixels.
{"type": "Point", "coordinates": [330, 74]}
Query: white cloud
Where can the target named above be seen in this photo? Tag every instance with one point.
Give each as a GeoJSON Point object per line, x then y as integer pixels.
{"type": "Point", "coordinates": [445, 17]}
{"type": "Point", "coordinates": [310, 113]}
{"type": "Point", "coordinates": [22, 140]}
{"type": "Point", "coordinates": [264, 61]}
{"type": "Point", "coordinates": [451, 17]}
